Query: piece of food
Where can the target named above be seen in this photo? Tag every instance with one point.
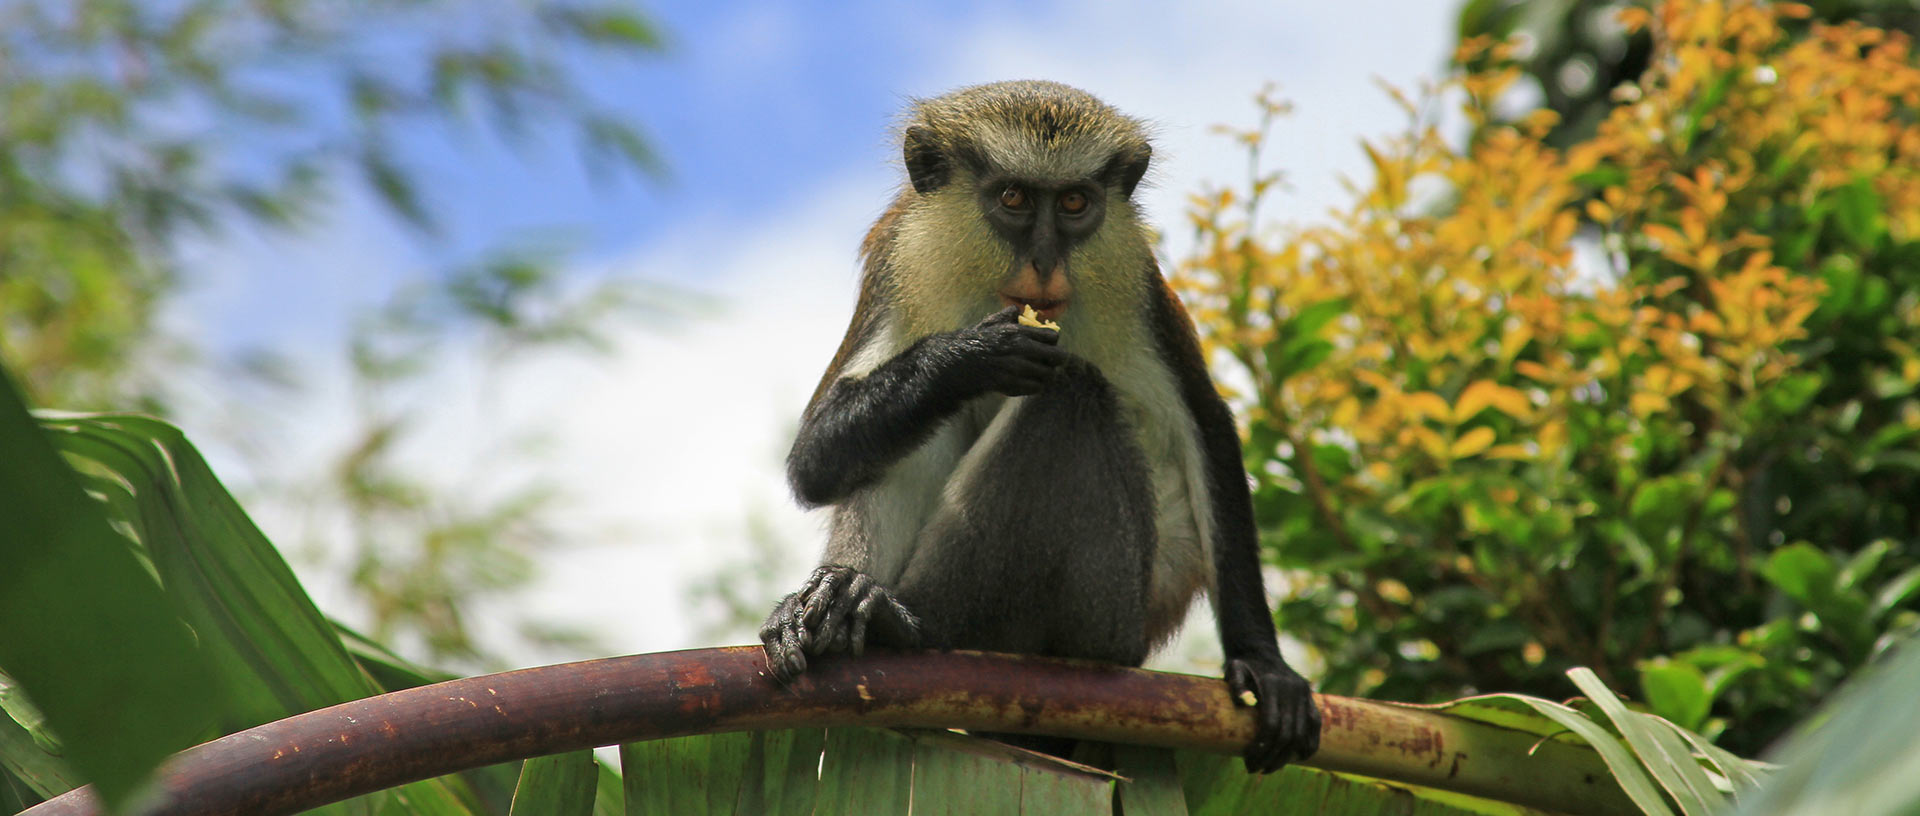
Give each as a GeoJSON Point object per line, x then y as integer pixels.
{"type": "Point", "coordinates": [1247, 699]}
{"type": "Point", "coordinates": [1029, 317]}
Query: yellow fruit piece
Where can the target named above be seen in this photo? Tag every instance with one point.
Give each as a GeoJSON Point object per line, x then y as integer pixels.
{"type": "Point", "coordinates": [1029, 317]}
{"type": "Point", "coordinates": [1247, 699]}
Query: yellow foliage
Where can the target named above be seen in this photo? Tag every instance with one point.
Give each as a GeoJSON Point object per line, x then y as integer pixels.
{"type": "Point", "coordinates": [1471, 442]}
{"type": "Point", "coordinates": [1468, 285]}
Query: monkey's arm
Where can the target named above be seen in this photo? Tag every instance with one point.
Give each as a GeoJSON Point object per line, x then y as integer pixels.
{"type": "Point", "coordinates": [859, 426]}
{"type": "Point", "coordinates": [1288, 721]}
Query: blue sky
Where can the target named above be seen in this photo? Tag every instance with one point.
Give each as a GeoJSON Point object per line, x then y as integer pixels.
{"type": "Point", "coordinates": [775, 121]}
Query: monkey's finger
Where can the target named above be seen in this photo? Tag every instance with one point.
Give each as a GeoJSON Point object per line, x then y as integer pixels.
{"type": "Point", "coordinates": [1258, 755]}
{"type": "Point", "coordinates": [1042, 335]}
{"type": "Point", "coordinates": [822, 590]}
{"type": "Point", "coordinates": [1310, 718]}
{"type": "Point", "coordinates": [784, 659]}
{"type": "Point", "coordinates": [1042, 352]}
{"type": "Point", "coordinates": [1284, 721]}
{"type": "Point", "coordinates": [831, 630]}
{"type": "Point", "coordinates": [821, 596]}
{"type": "Point", "coordinates": [835, 641]}
{"type": "Point", "coordinates": [862, 615]}
{"type": "Point", "coordinates": [814, 579]}
{"type": "Point", "coordinates": [782, 613]}
{"type": "Point", "coordinates": [906, 627]}
{"type": "Point", "coordinates": [857, 633]}
{"type": "Point", "coordinates": [1028, 369]}
{"type": "Point", "coordinates": [792, 646]}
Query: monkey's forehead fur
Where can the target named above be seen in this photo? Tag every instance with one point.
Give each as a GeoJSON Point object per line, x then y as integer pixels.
{"type": "Point", "coordinates": [1040, 128]}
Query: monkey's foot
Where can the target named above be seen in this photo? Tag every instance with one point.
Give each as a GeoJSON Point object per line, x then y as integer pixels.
{"type": "Point", "coordinates": [1286, 720]}
{"type": "Point", "coordinates": [833, 613]}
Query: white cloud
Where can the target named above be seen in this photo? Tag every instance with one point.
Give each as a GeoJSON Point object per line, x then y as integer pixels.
{"type": "Point", "coordinates": [682, 437]}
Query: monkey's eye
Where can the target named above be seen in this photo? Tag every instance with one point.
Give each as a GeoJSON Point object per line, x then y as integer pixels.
{"type": "Point", "coordinates": [1013, 198]}
{"type": "Point", "coordinates": [1074, 203]}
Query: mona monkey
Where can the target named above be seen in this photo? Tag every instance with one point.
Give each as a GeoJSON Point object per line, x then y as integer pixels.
{"type": "Point", "coordinates": [1008, 487]}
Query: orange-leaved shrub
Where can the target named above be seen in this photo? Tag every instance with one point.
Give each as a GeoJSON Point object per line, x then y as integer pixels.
{"type": "Point", "coordinates": [1646, 404]}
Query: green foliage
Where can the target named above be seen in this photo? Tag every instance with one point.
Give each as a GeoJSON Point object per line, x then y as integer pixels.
{"type": "Point", "coordinates": [272, 654]}
{"type": "Point", "coordinates": [1646, 404]}
{"type": "Point", "coordinates": [76, 599]}
{"type": "Point", "coordinates": [270, 651]}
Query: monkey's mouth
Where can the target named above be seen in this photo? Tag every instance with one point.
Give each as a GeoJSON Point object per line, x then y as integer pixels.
{"type": "Point", "coordinates": [1049, 309]}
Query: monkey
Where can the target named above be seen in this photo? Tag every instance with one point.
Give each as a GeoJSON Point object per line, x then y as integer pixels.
{"type": "Point", "coordinates": [1016, 488]}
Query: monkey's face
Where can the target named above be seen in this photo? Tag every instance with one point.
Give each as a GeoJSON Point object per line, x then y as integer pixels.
{"type": "Point", "coordinates": [1071, 249]}
{"type": "Point", "coordinates": [1021, 196]}
{"type": "Point", "coordinates": [1041, 223]}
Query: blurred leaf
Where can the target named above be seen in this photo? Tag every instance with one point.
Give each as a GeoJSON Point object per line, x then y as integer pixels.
{"type": "Point", "coordinates": [612, 140]}
{"type": "Point", "coordinates": [606, 26]}
{"type": "Point", "coordinates": [1862, 564]}
{"type": "Point", "coordinates": [1896, 592]}
{"type": "Point", "coordinates": [1677, 691]}
{"type": "Point", "coordinates": [395, 187]}
{"type": "Point", "coordinates": [1471, 442]}
{"type": "Point", "coordinates": [1858, 756]}
{"type": "Point", "coordinates": [1801, 571]}
{"type": "Point", "coordinates": [1857, 211]}
{"type": "Point", "coordinates": [1602, 176]}
{"type": "Point", "coordinates": [1792, 394]}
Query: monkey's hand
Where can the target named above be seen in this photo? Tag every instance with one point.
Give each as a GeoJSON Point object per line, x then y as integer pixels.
{"type": "Point", "coordinates": [1000, 355]}
{"type": "Point", "coordinates": [1286, 721]}
{"type": "Point", "coordinates": [834, 612]}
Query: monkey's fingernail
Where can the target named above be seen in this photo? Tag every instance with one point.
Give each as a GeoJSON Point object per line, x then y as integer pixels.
{"type": "Point", "coordinates": [1247, 699]}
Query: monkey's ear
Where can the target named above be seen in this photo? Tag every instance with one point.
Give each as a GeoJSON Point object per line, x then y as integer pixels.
{"type": "Point", "coordinates": [927, 165]}
{"type": "Point", "coordinates": [1128, 166]}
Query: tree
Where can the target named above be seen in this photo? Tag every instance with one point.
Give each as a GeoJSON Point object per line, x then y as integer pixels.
{"type": "Point", "coordinates": [1646, 404]}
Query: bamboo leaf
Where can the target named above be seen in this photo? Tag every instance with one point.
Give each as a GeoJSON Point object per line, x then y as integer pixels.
{"type": "Point", "coordinates": [789, 772]}
{"type": "Point", "coordinates": [27, 750]}
{"type": "Point", "coordinates": [686, 775]}
{"type": "Point", "coordinates": [89, 634]}
{"type": "Point", "coordinates": [866, 770]}
{"type": "Point", "coordinates": [558, 785]}
{"type": "Point", "coordinates": [271, 651]}
{"type": "Point", "coordinates": [1741, 773]}
{"type": "Point", "coordinates": [1627, 770]}
{"type": "Point", "coordinates": [1153, 781]}
{"type": "Point", "coordinates": [960, 774]}
{"type": "Point", "coordinates": [1664, 755]}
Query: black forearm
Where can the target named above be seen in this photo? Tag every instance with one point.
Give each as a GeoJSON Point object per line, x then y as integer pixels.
{"type": "Point", "coordinates": [861, 426]}
{"type": "Point", "coordinates": [1246, 623]}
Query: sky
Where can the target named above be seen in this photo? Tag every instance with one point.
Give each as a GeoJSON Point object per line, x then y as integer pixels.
{"type": "Point", "coordinates": [776, 121]}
